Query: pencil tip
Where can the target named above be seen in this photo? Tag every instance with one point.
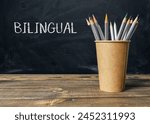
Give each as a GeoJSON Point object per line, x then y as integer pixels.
{"type": "Point", "coordinates": [87, 21]}
{"type": "Point", "coordinates": [115, 23]}
{"type": "Point", "coordinates": [131, 21]}
{"type": "Point", "coordinates": [126, 15]}
{"type": "Point", "coordinates": [137, 21]}
{"type": "Point", "coordinates": [91, 21]}
{"type": "Point", "coordinates": [137, 17]}
{"type": "Point", "coordinates": [111, 23]}
{"type": "Point", "coordinates": [125, 18]}
{"type": "Point", "coordinates": [106, 18]}
{"type": "Point", "coordinates": [94, 19]}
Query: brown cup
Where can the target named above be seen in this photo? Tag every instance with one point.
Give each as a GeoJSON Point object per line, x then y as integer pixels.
{"type": "Point", "coordinates": [112, 57]}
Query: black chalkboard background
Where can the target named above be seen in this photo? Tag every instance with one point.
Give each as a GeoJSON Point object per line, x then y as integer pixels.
{"type": "Point", "coordinates": [52, 53]}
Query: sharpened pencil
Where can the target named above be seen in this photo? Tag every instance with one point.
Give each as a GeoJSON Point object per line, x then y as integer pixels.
{"type": "Point", "coordinates": [98, 28]}
{"type": "Point", "coordinates": [126, 29]}
{"type": "Point", "coordinates": [136, 25]}
{"type": "Point", "coordinates": [122, 27]}
{"type": "Point", "coordinates": [132, 28]}
{"type": "Point", "coordinates": [94, 30]}
{"type": "Point", "coordinates": [131, 21]}
{"type": "Point", "coordinates": [106, 28]}
{"type": "Point", "coordinates": [124, 33]}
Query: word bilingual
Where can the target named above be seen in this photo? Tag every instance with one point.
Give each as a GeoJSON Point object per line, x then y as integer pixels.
{"type": "Point", "coordinates": [43, 28]}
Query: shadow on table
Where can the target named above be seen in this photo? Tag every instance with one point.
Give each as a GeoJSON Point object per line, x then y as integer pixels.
{"type": "Point", "coordinates": [136, 83]}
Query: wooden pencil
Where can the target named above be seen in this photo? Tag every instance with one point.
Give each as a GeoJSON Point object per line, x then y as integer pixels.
{"type": "Point", "coordinates": [106, 28]}
{"type": "Point", "coordinates": [132, 28]}
{"type": "Point", "coordinates": [122, 27]}
{"type": "Point", "coordinates": [131, 21]}
{"type": "Point", "coordinates": [94, 30]}
{"type": "Point", "coordinates": [126, 29]}
{"type": "Point", "coordinates": [98, 28]}
{"type": "Point", "coordinates": [130, 36]}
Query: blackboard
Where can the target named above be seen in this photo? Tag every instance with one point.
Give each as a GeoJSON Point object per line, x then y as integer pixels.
{"type": "Point", "coordinates": [67, 53]}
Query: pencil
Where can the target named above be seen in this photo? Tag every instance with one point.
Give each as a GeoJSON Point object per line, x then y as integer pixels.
{"type": "Point", "coordinates": [132, 28]}
{"type": "Point", "coordinates": [126, 29]}
{"type": "Point", "coordinates": [115, 30]}
{"type": "Point", "coordinates": [131, 21]}
{"type": "Point", "coordinates": [98, 28]}
{"type": "Point", "coordinates": [125, 32]}
{"type": "Point", "coordinates": [111, 31]}
{"type": "Point", "coordinates": [122, 27]}
{"type": "Point", "coordinates": [96, 35]}
{"type": "Point", "coordinates": [130, 36]}
{"type": "Point", "coordinates": [106, 28]}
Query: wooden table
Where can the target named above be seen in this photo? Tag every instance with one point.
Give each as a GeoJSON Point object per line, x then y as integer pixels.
{"type": "Point", "coordinates": [70, 90]}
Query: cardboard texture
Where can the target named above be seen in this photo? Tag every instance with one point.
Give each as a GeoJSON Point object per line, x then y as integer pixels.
{"type": "Point", "coordinates": [112, 57]}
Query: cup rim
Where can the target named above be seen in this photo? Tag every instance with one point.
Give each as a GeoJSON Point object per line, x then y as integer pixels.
{"type": "Point", "coordinates": [112, 41]}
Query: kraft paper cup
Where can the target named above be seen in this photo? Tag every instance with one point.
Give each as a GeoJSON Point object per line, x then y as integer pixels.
{"type": "Point", "coordinates": [112, 57]}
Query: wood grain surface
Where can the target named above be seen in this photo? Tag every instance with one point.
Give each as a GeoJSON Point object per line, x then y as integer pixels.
{"type": "Point", "coordinates": [24, 90]}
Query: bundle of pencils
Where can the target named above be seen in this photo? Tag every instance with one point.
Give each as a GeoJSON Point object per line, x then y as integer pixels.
{"type": "Point", "coordinates": [125, 32]}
